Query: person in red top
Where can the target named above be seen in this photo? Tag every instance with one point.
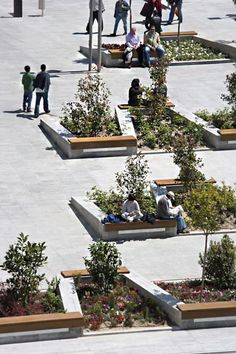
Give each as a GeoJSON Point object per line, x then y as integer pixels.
{"type": "Point", "coordinates": [156, 5]}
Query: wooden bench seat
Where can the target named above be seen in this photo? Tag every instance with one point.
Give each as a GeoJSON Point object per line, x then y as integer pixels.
{"type": "Point", "coordinates": [117, 53]}
{"type": "Point", "coordinates": [175, 182]}
{"type": "Point", "coordinates": [84, 272]}
{"type": "Point", "coordinates": [139, 225]}
{"type": "Point", "coordinates": [124, 106]}
{"type": "Point", "coordinates": [228, 134]}
{"type": "Point", "coordinates": [41, 322]}
{"type": "Point", "coordinates": [102, 142]}
{"type": "Point", "coordinates": [182, 34]}
{"type": "Point", "coordinates": [207, 309]}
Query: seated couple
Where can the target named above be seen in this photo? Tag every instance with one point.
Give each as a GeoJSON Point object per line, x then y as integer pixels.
{"type": "Point", "coordinates": [151, 43]}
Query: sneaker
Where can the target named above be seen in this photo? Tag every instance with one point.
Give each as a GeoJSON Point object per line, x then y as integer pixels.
{"type": "Point", "coordinates": [124, 33]}
{"type": "Point", "coordinates": [47, 112]}
{"type": "Point", "coordinates": [130, 219]}
{"type": "Point", "coordinates": [129, 66]}
{"type": "Point", "coordinates": [29, 110]}
{"type": "Point", "coordinates": [184, 231]}
{"type": "Point", "coordinates": [36, 115]}
{"type": "Point", "coordinates": [113, 35]}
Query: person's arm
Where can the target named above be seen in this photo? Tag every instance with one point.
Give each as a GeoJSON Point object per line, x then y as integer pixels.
{"type": "Point", "coordinates": [137, 207]}
{"type": "Point", "coordinates": [128, 41]}
{"type": "Point", "coordinates": [124, 208]}
{"type": "Point", "coordinates": [116, 9]}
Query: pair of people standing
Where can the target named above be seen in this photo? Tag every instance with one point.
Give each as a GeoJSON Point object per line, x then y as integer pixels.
{"type": "Point", "coordinates": [41, 84]}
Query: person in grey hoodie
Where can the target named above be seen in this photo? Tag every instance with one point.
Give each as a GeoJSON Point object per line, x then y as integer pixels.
{"type": "Point", "coordinates": [95, 9]}
{"type": "Point", "coordinates": [41, 85]}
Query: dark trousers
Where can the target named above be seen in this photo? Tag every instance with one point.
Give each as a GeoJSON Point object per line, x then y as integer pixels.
{"type": "Point", "coordinates": [40, 95]}
{"type": "Point", "coordinates": [27, 98]}
{"type": "Point", "coordinates": [95, 16]}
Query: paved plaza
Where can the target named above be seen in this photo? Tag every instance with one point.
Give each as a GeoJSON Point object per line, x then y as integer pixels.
{"type": "Point", "coordinates": [36, 182]}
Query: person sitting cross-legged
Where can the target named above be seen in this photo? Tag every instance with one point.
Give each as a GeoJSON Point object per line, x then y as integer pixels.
{"type": "Point", "coordinates": [152, 43]}
{"type": "Point", "coordinates": [131, 210]}
{"type": "Point", "coordinates": [166, 211]}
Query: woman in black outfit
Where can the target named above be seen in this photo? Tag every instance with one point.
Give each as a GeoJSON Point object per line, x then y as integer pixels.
{"type": "Point", "coordinates": [135, 93]}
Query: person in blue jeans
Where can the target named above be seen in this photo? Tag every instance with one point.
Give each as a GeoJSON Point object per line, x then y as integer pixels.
{"type": "Point", "coordinates": [121, 13]}
{"type": "Point", "coordinates": [27, 82]}
{"type": "Point", "coordinates": [166, 211]}
{"type": "Point", "coordinates": [41, 85]}
{"type": "Point", "coordinates": [152, 43]}
{"type": "Point", "coordinates": [175, 4]}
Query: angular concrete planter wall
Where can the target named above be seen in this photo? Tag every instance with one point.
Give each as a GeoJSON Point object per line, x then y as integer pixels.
{"type": "Point", "coordinates": [46, 326]}
{"type": "Point", "coordinates": [92, 216]}
{"type": "Point", "coordinates": [73, 147]}
{"type": "Point", "coordinates": [113, 58]}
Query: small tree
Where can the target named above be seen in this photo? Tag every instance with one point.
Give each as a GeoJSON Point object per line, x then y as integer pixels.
{"type": "Point", "coordinates": [204, 206]}
{"type": "Point", "coordinates": [90, 114]}
{"type": "Point", "coordinates": [156, 93]}
{"type": "Point", "coordinates": [231, 96]}
{"type": "Point", "coordinates": [185, 157]}
{"type": "Point", "coordinates": [134, 177]}
{"type": "Point", "coordinates": [22, 261]}
{"type": "Point", "coordinates": [103, 264]}
{"type": "Point", "coordinates": [220, 263]}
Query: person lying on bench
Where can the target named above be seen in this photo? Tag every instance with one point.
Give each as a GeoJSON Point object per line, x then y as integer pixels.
{"type": "Point", "coordinates": [135, 93]}
{"type": "Point", "coordinates": [165, 211]}
{"type": "Point", "coordinates": [131, 210]}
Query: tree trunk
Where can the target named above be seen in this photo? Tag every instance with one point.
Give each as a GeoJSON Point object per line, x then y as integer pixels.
{"type": "Point", "coordinates": [203, 268]}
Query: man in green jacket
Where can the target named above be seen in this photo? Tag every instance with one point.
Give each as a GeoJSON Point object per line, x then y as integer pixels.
{"type": "Point", "coordinates": [27, 82]}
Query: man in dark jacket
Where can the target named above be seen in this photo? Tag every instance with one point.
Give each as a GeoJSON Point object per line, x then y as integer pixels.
{"type": "Point", "coordinates": [121, 13]}
{"type": "Point", "coordinates": [155, 20]}
{"type": "Point", "coordinates": [41, 85]}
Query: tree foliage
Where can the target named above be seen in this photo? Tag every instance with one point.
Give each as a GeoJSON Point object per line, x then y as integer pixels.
{"type": "Point", "coordinates": [22, 262]}
{"type": "Point", "coordinates": [103, 264]}
{"type": "Point", "coordinates": [220, 263]}
{"type": "Point", "coordinates": [90, 114]}
{"type": "Point", "coordinates": [231, 87]}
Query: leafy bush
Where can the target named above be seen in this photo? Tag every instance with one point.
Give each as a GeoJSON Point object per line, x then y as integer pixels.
{"type": "Point", "coordinates": [221, 119]}
{"type": "Point", "coordinates": [90, 114]}
{"type": "Point", "coordinates": [231, 96]}
{"type": "Point", "coordinates": [22, 261]}
{"type": "Point", "coordinates": [110, 202]}
{"type": "Point", "coordinates": [52, 301]}
{"type": "Point", "coordinates": [103, 265]}
{"type": "Point", "coordinates": [220, 263]}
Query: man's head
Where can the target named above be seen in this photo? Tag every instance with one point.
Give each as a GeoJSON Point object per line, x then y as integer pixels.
{"type": "Point", "coordinates": [153, 28]}
{"type": "Point", "coordinates": [133, 30]}
{"type": "Point", "coordinates": [43, 67]}
{"type": "Point", "coordinates": [27, 68]}
{"type": "Point", "coordinates": [170, 195]}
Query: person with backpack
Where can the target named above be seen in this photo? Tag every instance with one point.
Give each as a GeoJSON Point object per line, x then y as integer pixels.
{"type": "Point", "coordinates": [41, 85]}
{"type": "Point", "coordinates": [121, 13]}
{"type": "Point", "coordinates": [27, 82]}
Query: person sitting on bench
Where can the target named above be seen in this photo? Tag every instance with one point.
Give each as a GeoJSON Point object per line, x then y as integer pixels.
{"type": "Point", "coordinates": [135, 93]}
{"type": "Point", "coordinates": [132, 43]}
{"type": "Point", "coordinates": [165, 211]}
{"type": "Point", "coordinates": [152, 43]}
{"type": "Point", "coordinates": [131, 210]}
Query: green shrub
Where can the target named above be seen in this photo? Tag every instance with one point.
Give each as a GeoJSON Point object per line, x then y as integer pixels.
{"type": "Point", "coordinates": [231, 87]}
{"type": "Point", "coordinates": [103, 264]}
{"type": "Point", "coordinates": [110, 202]}
{"type": "Point", "coordinates": [22, 262]}
{"type": "Point", "coordinates": [52, 301]}
{"type": "Point", "coordinates": [90, 114]}
{"type": "Point", "coordinates": [220, 263]}
{"type": "Point", "coordinates": [221, 119]}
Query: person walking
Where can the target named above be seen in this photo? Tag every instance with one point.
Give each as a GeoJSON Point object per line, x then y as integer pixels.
{"type": "Point", "coordinates": [121, 13]}
{"type": "Point", "coordinates": [41, 85]}
{"type": "Point", "coordinates": [27, 82]}
{"type": "Point", "coordinates": [95, 9]}
{"type": "Point", "coordinates": [175, 6]}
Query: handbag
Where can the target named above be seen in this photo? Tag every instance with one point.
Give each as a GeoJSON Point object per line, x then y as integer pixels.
{"type": "Point", "coordinates": [147, 10]}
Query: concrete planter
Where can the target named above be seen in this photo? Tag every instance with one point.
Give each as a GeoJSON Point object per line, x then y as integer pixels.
{"type": "Point", "coordinates": [73, 147]}
{"type": "Point", "coordinates": [46, 326]}
{"type": "Point", "coordinates": [91, 215]}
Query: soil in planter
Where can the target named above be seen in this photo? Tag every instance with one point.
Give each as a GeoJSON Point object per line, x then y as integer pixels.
{"type": "Point", "coordinates": [189, 291]}
{"type": "Point", "coordinates": [159, 134]}
{"type": "Point", "coordinates": [122, 307]}
{"type": "Point", "coordinates": [40, 303]}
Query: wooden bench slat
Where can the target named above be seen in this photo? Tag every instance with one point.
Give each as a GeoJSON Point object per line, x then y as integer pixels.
{"type": "Point", "coordinates": [207, 309]}
{"type": "Point", "coordinates": [84, 272]}
{"type": "Point", "coordinates": [182, 33]}
{"type": "Point", "coordinates": [41, 322]}
{"type": "Point", "coordinates": [139, 225]}
{"type": "Point", "coordinates": [102, 142]}
{"type": "Point", "coordinates": [227, 134]}
{"type": "Point", "coordinates": [175, 182]}
{"type": "Point", "coordinates": [169, 104]}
